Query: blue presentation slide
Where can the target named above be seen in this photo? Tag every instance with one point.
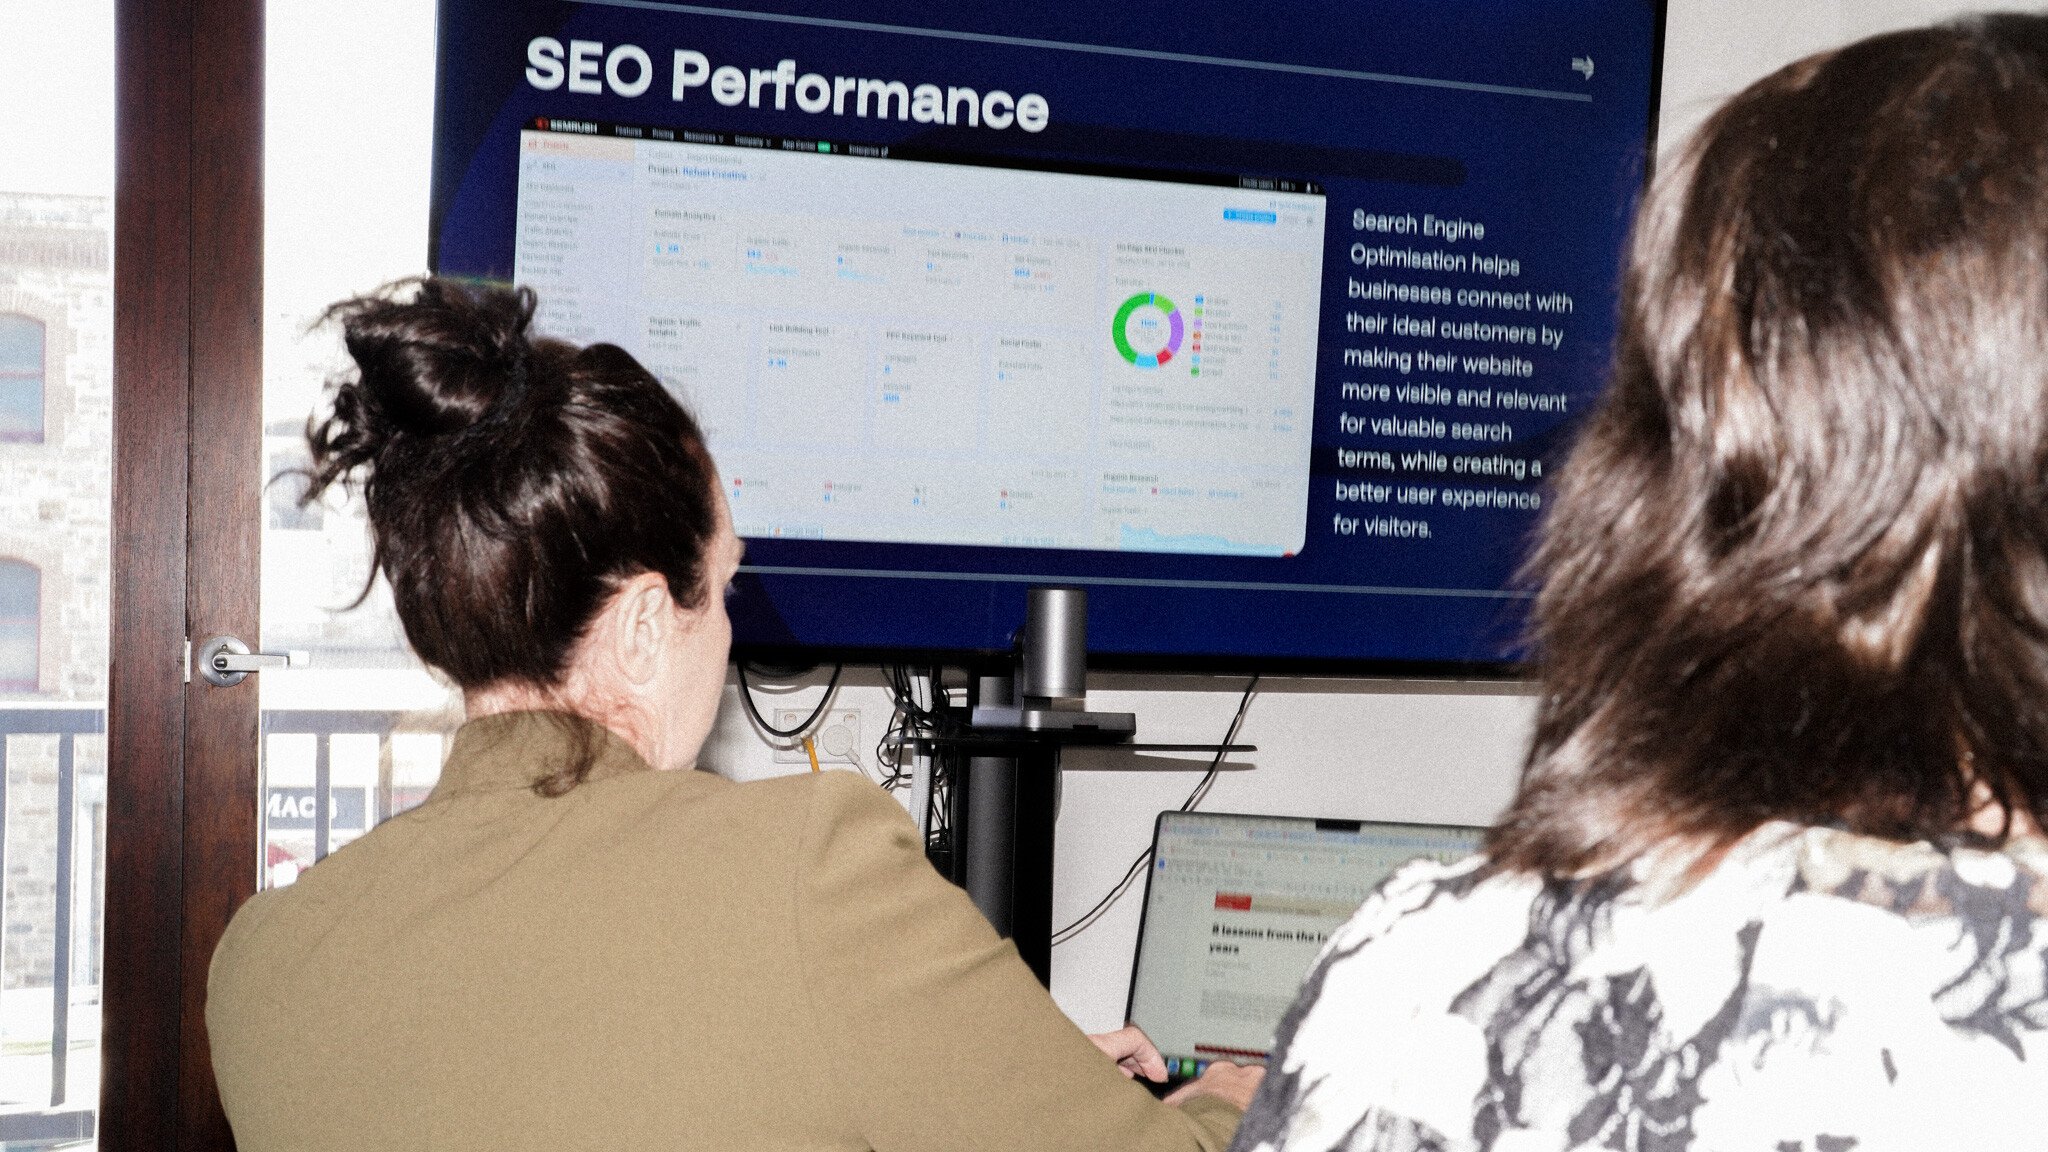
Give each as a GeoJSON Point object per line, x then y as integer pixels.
{"type": "Point", "coordinates": [1262, 324]}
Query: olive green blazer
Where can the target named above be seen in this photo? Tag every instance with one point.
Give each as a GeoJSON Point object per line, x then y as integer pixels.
{"type": "Point", "coordinates": [656, 960]}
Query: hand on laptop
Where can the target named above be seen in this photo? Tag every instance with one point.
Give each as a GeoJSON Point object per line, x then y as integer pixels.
{"type": "Point", "coordinates": [1232, 1082]}
{"type": "Point", "coordinates": [1136, 1056]}
{"type": "Point", "coordinates": [1133, 1052]}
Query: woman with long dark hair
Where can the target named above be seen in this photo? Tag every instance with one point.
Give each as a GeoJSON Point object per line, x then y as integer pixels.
{"type": "Point", "coordinates": [579, 941]}
{"type": "Point", "coordinates": [1773, 879]}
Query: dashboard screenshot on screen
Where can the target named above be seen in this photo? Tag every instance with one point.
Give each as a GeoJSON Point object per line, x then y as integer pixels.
{"type": "Point", "coordinates": [893, 350]}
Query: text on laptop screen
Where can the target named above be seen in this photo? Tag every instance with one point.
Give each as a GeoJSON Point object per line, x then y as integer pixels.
{"type": "Point", "coordinates": [1238, 907]}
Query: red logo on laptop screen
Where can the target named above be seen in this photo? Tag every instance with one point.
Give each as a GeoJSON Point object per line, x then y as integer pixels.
{"type": "Point", "coordinates": [1234, 901]}
{"type": "Point", "coordinates": [1239, 1054]}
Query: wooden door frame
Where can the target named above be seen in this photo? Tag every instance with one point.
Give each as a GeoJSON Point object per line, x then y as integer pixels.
{"type": "Point", "coordinates": [181, 757]}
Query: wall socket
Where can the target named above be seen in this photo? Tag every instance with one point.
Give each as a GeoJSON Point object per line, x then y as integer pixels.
{"type": "Point", "coordinates": [837, 737]}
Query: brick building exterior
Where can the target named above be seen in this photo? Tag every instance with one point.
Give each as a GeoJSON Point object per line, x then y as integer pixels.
{"type": "Point", "coordinates": [56, 272]}
{"type": "Point", "coordinates": [56, 307]}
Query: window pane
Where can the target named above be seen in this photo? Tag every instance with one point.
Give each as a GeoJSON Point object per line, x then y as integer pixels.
{"type": "Point", "coordinates": [348, 123]}
{"type": "Point", "coordinates": [21, 589]}
{"type": "Point", "coordinates": [21, 621]}
{"type": "Point", "coordinates": [56, 437]}
{"type": "Point", "coordinates": [21, 345]}
{"type": "Point", "coordinates": [21, 378]}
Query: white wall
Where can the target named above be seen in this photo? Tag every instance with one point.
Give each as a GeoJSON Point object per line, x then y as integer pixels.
{"type": "Point", "coordinates": [1713, 48]}
{"type": "Point", "coordinates": [1365, 750]}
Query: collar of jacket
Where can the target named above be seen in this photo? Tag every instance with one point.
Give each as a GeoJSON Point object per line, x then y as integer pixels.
{"type": "Point", "coordinates": [511, 750]}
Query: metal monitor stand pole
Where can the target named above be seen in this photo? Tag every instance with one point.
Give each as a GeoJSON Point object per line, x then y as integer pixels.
{"type": "Point", "coordinates": [1004, 805]}
{"type": "Point", "coordinates": [1004, 819]}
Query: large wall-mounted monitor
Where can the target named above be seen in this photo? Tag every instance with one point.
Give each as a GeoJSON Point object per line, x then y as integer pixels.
{"type": "Point", "coordinates": [1261, 323]}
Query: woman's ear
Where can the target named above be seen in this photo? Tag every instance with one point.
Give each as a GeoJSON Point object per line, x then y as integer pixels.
{"type": "Point", "coordinates": [642, 622]}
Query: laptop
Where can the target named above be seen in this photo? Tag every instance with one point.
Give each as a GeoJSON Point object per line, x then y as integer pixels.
{"type": "Point", "coordinates": [1238, 907]}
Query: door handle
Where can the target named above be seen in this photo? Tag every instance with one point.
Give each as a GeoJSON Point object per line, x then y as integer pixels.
{"type": "Point", "coordinates": [225, 661]}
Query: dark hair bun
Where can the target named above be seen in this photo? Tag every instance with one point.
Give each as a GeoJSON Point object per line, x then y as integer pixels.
{"type": "Point", "coordinates": [446, 359]}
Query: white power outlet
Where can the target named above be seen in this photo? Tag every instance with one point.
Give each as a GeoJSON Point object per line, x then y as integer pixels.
{"type": "Point", "coordinates": [837, 737]}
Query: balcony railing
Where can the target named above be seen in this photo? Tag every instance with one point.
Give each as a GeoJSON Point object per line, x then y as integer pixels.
{"type": "Point", "coordinates": [30, 1123]}
{"type": "Point", "coordinates": [67, 724]}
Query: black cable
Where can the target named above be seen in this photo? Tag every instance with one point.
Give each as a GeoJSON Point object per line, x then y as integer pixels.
{"type": "Point", "coordinates": [889, 750]}
{"type": "Point", "coordinates": [930, 718]}
{"type": "Point", "coordinates": [911, 719]}
{"type": "Point", "coordinates": [908, 720]}
{"type": "Point", "coordinates": [1201, 791]}
{"type": "Point", "coordinates": [1087, 919]}
{"type": "Point", "coordinates": [796, 733]}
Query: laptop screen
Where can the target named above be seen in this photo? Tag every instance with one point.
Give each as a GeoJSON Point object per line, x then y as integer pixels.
{"type": "Point", "coordinates": [1237, 907]}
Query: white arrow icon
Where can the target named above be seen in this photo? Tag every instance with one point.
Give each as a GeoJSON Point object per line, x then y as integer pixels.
{"type": "Point", "coordinates": [1583, 65]}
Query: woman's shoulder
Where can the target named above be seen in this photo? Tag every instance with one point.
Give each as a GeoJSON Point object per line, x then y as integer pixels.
{"type": "Point", "coordinates": [1391, 974]}
{"type": "Point", "coordinates": [1497, 1002]}
{"type": "Point", "coordinates": [789, 818]}
{"type": "Point", "coordinates": [648, 839]}
{"type": "Point", "coordinates": [704, 795]}
{"type": "Point", "coordinates": [1916, 880]}
{"type": "Point", "coordinates": [809, 798]}
{"type": "Point", "coordinates": [645, 828]}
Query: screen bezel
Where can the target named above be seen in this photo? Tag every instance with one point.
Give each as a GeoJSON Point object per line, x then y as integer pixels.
{"type": "Point", "coordinates": [1228, 664]}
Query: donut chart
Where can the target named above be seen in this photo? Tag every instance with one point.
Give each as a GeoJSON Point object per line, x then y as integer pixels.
{"type": "Point", "coordinates": [1119, 330]}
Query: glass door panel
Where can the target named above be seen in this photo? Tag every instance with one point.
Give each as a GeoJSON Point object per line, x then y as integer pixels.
{"type": "Point", "coordinates": [56, 478]}
{"type": "Point", "coordinates": [357, 735]}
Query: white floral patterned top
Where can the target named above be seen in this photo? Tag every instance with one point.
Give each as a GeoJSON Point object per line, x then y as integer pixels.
{"type": "Point", "coordinates": [1817, 991]}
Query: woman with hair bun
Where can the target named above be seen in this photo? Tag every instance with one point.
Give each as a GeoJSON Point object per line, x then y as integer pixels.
{"type": "Point", "coordinates": [578, 941]}
{"type": "Point", "coordinates": [1774, 879]}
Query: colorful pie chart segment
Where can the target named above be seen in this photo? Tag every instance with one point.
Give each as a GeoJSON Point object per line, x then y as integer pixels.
{"type": "Point", "coordinates": [1159, 330]}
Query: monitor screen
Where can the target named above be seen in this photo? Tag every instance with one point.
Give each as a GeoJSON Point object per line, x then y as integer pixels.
{"type": "Point", "coordinates": [1237, 908]}
{"type": "Point", "coordinates": [1261, 326]}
